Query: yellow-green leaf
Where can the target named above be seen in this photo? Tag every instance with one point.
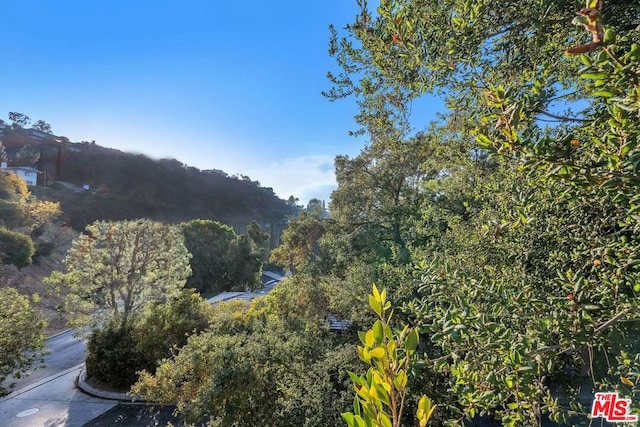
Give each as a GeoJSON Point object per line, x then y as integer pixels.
{"type": "Point", "coordinates": [378, 331]}
{"type": "Point", "coordinates": [375, 305]}
{"type": "Point", "coordinates": [609, 36]}
{"type": "Point", "coordinates": [363, 392]}
{"type": "Point", "coordinates": [586, 59]}
{"type": "Point", "coordinates": [627, 381]}
{"type": "Point", "coordinates": [400, 381]}
{"type": "Point", "coordinates": [383, 420]}
{"type": "Point", "coordinates": [349, 418]}
{"type": "Point", "coordinates": [377, 353]}
{"type": "Point", "coordinates": [411, 342]}
{"type": "Point", "coordinates": [376, 294]}
{"type": "Point", "coordinates": [425, 410]}
{"type": "Point", "coordinates": [362, 336]}
{"type": "Point", "coordinates": [369, 339]}
{"type": "Point", "coordinates": [604, 93]}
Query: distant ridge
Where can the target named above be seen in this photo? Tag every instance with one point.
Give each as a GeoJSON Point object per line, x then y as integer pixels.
{"type": "Point", "coordinates": [93, 182]}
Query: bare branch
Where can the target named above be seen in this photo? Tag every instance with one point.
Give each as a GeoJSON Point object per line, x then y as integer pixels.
{"type": "Point", "coordinates": [558, 117]}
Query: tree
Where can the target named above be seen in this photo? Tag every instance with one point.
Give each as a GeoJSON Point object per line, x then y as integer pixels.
{"type": "Point", "coordinates": [316, 207]}
{"type": "Point", "coordinates": [300, 241]}
{"type": "Point", "coordinates": [116, 269]}
{"type": "Point", "coordinates": [520, 279]}
{"type": "Point", "coordinates": [21, 335]}
{"type": "Point", "coordinates": [42, 126]}
{"type": "Point", "coordinates": [19, 120]}
{"type": "Point", "coordinates": [15, 248]}
{"type": "Point", "coordinates": [274, 361]}
{"type": "Point", "coordinates": [19, 208]}
{"type": "Point", "coordinates": [378, 196]}
{"type": "Point", "coordinates": [259, 240]}
{"type": "Point", "coordinates": [12, 188]}
{"type": "Point", "coordinates": [245, 264]}
{"type": "Point", "coordinates": [165, 327]}
{"type": "Point", "coordinates": [37, 213]}
{"type": "Point", "coordinates": [3, 153]}
{"type": "Point", "coordinates": [292, 201]}
{"type": "Point", "coordinates": [27, 155]}
{"type": "Point", "coordinates": [116, 354]}
{"type": "Point", "coordinates": [221, 260]}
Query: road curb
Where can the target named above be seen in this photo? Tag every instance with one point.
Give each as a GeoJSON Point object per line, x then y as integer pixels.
{"type": "Point", "coordinates": [58, 334]}
{"type": "Point", "coordinates": [40, 382]}
{"type": "Point", "coordinates": [81, 383]}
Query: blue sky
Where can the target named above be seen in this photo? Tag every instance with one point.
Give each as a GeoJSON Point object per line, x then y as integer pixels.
{"type": "Point", "coordinates": [226, 85]}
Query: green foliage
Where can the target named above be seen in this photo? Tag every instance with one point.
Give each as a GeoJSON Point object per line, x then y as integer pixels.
{"type": "Point", "coordinates": [316, 208]}
{"type": "Point", "coordinates": [300, 242]}
{"type": "Point", "coordinates": [19, 120]}
{"type": "Point", "coordinates": [165, 327]}
{"type": "Point", "coordinates": [246, 263]}
{"type": "Point", "coordinates": [374, 204]}
{"type": "Point", "coordinates": [525, 233]}
{"type": "Point", "coordinates": [381, 393]}
{"type": "Point", "coordinates": [209, 243]}
{"type": "Point", "coordinates": [274, 361]}
{"type": "Point", "coordinates": [42, 126]}
{"type": "Point", "coordinates": [125, 186]}
{"type": "Point", "coordinates": [38, 213]}
{"type": "Point", "coordinates": [116, 353]}
{"type": "Point", "coordinates": [15, 248]}
{"type": "Point", "coordinates": [221, 260]}
{"type": "Point", "coordinates": [21, 335]}
{"type": "Point", "coordinates": [19, 208]}
{"type": "Point", "coordinates": [258, 239]}
{"type": "Point", "coordinates": [118, 268]}
{"type": "Point", "coordinates": [112, 356]}
{"type": "Point", "coordinates": [592, 171]}
{"type": "Point", "coordinates": [12, 188]}
{"type": "Point", "coordinates": [27, 155]}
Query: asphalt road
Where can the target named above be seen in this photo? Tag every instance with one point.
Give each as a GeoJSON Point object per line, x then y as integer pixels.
{"type": "Point", "coordinates": [48, 396]}
{"type": "Point", "coordinates": [64, 352]}
{"type": "Point", "coordinates": [54, 401]}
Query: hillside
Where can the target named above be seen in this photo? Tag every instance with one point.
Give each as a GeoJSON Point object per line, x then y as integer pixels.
{"type": "Point", "coordinates": [125, 186]}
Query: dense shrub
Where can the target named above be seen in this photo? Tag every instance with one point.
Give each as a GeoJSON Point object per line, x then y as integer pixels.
{"type": "Point", "coordinates": [272, 360]}
{"type": "Point", "coordinates": [21, 336]}
{"type": "Point", "coordinates": [165, 328]}
{"type": "Point", "coordinates": [43, 249]}
{"type": "Point", "coordinates": [15, 248]}
{"type": "Point", "coordinates": [9, 214]}
{"type": "Point", "coordinates": [116, 354]}
{"type": "Point", "coordinates": [112, 356]}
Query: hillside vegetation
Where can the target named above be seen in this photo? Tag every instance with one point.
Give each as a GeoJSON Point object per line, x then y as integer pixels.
{"type": "Point", "coordinates": [128, 186]}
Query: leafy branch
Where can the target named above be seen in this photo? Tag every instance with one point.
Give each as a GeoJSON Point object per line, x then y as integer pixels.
{"type": "Point", "coordinates": [384, 387]}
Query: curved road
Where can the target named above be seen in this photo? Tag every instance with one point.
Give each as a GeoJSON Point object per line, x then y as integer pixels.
{"type": "Point", "coordinates": [49, 396]}
{"type": "Point", "coordinates": [64, 352]}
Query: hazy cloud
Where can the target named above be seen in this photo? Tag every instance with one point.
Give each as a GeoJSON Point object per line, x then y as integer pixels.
{"type": "Point", "coordinates": [305, 177]}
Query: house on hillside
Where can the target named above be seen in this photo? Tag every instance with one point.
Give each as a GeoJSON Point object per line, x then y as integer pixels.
{"type": "Point", "coordinates": [38, 134]}
{"type": "Point", "coordinates": [26, 173]}
{"type": "Point", "coordinates": [218, 171]}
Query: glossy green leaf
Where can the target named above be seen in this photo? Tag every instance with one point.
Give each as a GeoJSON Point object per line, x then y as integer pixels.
{"type": "Point", "coordinates": [411, 342]}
